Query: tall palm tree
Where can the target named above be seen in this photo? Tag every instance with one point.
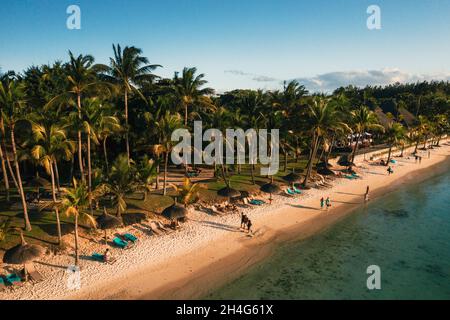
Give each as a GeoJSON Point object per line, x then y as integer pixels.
{"type": "Point", "coordinates": [395, 134]}
{"type": "Point", "coordinates": [128, 68]}
{"type": "Point", "coordinates": [363, 119]}
{"type": "Point", "coordinates": [82, 79]}
{"type": "Point", "coordinates": [76, 204]}
{"type": "Point", "coordinates": [165, 126]}
{"type": "Point", "coordinates": [12, 105]}
{"type": "Point", "coordinates": [190, 92]}
{"type": "Point", "coordinates": [51, 142]}
{"type": "Point", "coordinates": [146, 173]}
{"type": "Point", "coordinates": [322, 117]}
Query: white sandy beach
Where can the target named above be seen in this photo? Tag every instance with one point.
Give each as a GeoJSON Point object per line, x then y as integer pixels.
{"type": "Point", "coordinates": [210, 250]}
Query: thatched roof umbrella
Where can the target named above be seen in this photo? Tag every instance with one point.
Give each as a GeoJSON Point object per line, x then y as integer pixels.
{"type": "Point", "coordinates": [23, 253]}
{"type": "Point", "coordinates": [292, 178]}
{"type": "Point", "coordinates": [175, 212]}
{"type": "Point", "coordinates": [107, 221]}
{"type": "Point", "coordinates": [270, 188]}
{"type": "Point", "coordinates": [325, 171]}
{"type": "Point", "coordinates": [229, 193]}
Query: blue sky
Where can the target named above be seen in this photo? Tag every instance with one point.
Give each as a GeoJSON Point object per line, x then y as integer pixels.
{"type": "Point", "coordinates": [242, 44]}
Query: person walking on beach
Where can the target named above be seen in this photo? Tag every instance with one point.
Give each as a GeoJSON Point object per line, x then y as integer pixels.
{"type": "Point", "coordinates": [416, 158]}
{"type": "Point", "coordinates": [322, 203]}
{"type": "Point", "coordinates": [420, 159]}
{"type": "Point", "coordinates": [429, 154]}
{"type": "Point", "coordinates": [244, 220]}
{"type": "Point", "coordinates": [249, 226]}
{"type": "Point", "coordinates": [389, 170]}
{"type": "Point", "coordinates": [328, 203]}
{"type": "Point", "coordinates": [366, 196]}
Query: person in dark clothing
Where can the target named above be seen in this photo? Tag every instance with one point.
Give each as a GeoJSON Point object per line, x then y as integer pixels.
{"type": "Point", "coordinates": [249, 226]}
{"type": "Point", "coordinates": [244, 220]}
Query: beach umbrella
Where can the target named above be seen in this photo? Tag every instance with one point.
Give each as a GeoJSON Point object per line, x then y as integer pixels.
{"type": "Point", "coordinates": [23, 253]}
{"type": "Point", "coordinates": [229, 192]}
{"type": "Point", "coordinates": [175, 212]}
{"type": "Point", "coordinates": [292, 178]}
{"type": "Point", "coordinates": [270, 188]}
{"type": "Point", "coordinates": [325, 171]}
{"type": "Point", "coordinates": [107, 221]}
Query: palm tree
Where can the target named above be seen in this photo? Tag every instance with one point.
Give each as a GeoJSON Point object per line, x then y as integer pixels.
{"type": "Point", "coordinates": [76, 203]}
{"type": "Point", "coordinates": [165, 126]}
{"type": "Point", "coordinates": [187, 192]}
{"type": "Point", "coordinates": [82, 79]}
{"type": "Point", "coordinates": [146, 174]}
{"type": "Point", "coordinates": [120, 182]}
{"type": "Point", "coordinates": [363, 119]}
{"type": "Point", "coordinates": [128, 68]}
{"type": "Point", "coordinates": [322, 117]}
{"type": "Point", "coordinates": [51, 141]}
{"type": "Point", "coordinates": [395, 134]}
{"type": "Point", "coordinates": [12, 104]}
{"type": "Point", "coordinates": [189, 91]}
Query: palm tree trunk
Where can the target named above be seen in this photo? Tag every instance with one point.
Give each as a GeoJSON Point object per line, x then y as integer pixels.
{"type": "Point", "coordinates": [311, 160]}
{"type": "Point", "coordinates": [285, 160]}
{"type": "Point", "coordinates": [80, 142]}
{"type": "Point", "coordinates": [126, 124]}
{"type": "Point", "coordinates": [166, 163]}
{"type": "Point", "coordinates": [72, 165]}
{"type": "Point", "coordinates": [252, 170]}
{"type": "Point", "coordinates": [76, 240]}
{"type": "Point", "coordinates": [185, 114]}
{"type": "Point", "coordinates": [105, 153]}
{"type": "Point", "coordinates": [227, 183]}
{"type": "Point", "coordinates": [5, 174]}
{"type": "Point", "coordinates": [356, 147]}
{"type": "Point", "coordinates": [417, 146]}
{"type": "Point", "coordinates": [389, 155]}
{"type": "Point", "coordinates": [89, 170]}
{"type": "Point", "coordinates": [158, 170]}
{"type": "Point", "coordinates": [58, 185]}
{"type": "Point", "coordinates": [19, 181]}
{"type": "Point", "coordinates": [10, 169]}
{"type": "Point", "coordinates": [58, 222]}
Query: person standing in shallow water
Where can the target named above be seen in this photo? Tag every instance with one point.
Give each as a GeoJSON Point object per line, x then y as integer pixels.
{"type": "Point", "coordinates": [366, 195]}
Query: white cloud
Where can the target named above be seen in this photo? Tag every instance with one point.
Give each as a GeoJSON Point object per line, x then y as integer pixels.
{"type": "Point", "coordinates": [328, 82]}
{"type": "Point", "coordinates": [255, 77]}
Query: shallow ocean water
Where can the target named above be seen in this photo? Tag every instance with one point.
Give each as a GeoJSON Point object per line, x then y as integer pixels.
{"type": "Point", "coordinates": [406, 233]}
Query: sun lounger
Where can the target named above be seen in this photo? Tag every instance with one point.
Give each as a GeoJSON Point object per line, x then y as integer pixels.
{"type": "Point", "coordinates": [298, 191]}
{"type": "Point", "coordinates": [161, 226]}
{"type": "Point", "coordinates": [13, 278]}
{"type": "Point", "coordinates": [155, 229]}
{"type": "Point", "coordinates": [290, 192]}
{"type": "Point", "coordinates": [2, 284]}
{"type": "Point", "coordinates": [98, 257]}
{"type": "Point", "coordinates": [33, 273]}
{"type": "Point", "coordinates": [121, 243]}
{"type": "Point", "coordinates": [130, 237]}
{"type": "Point", "coordinates": [256, 202]}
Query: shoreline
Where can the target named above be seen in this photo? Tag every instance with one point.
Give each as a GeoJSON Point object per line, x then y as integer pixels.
{"type": "Point", "coordinates": [206, 280]}
{"type": "Point", "coordinates": [210, 251]}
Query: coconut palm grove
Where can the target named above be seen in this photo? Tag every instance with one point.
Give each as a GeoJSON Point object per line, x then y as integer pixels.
{"type": "Point", "coordinates": [86, 143]}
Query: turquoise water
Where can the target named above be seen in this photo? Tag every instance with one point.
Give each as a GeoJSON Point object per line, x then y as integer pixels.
{"type": "Point", "coordinates": [406, 233]}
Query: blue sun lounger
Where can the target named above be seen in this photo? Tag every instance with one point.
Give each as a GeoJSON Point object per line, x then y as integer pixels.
{"type": "Point", "coordinates": [120, 243]}
{"type": "Point", "coordinates": [13, 278]}
{"type": "Point", "coordinates": [130, 237]}
{"type": "Point", "coordinates": [298, 191]}
{"type": "Point", "coordinates": [290, 192]}
{"type": "Point", "coordinates": [97, 257]}
{"type": "Point", "coordinates": [256, 202]}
